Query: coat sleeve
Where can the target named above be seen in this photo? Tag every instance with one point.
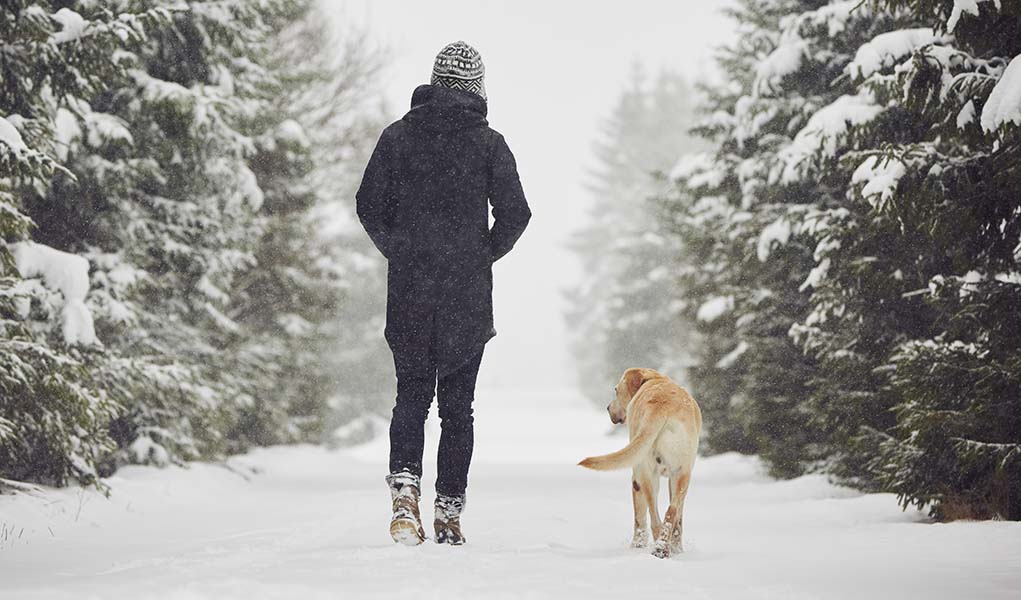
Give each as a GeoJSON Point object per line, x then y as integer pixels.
{"type": "Point", "coordinates": [373, 198]}
{"type": "Point", "coordinates": [510, 209]}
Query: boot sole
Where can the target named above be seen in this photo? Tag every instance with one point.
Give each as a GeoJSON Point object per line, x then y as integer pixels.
{"type": "Point", "coordinates": [406, 533]}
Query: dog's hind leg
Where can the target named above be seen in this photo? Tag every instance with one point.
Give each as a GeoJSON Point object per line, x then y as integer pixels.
{"type": "Point", "coordinates": [641, 537]}
{"type": "Point", "coordinates": [676, 545]}
{"type": "Point", "coordinates": [652, 500]}
{"type": "Point", "coordinates": [675, 537]}
{"type": "Point", "coordinates": [669, 539]}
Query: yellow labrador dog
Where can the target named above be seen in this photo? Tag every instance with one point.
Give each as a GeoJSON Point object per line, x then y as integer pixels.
{"type": "Point", "coordinates": [664, 423]}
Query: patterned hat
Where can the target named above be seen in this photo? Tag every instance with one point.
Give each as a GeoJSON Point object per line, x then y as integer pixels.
{"type": "Point", "coordinates": [459, 66]}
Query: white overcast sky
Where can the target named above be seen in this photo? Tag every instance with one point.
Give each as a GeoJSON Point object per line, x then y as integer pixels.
{"type": "Point", "coordinates": [554, 69]}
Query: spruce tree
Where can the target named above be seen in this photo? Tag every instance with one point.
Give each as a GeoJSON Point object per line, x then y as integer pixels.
{"type": "Point", "coordinates": [294, 301]}
{"type": "Point", "coordinates": [747, 255]}
{"type": "Point", "coordinates": [701, 212]}
{"type": "Point", "coordinates": [164, 203]}
{"type": "Point", "coordinates": [868, 163]}
{"type": "Point", "coordinates": [795, 177]}
{"type": "Point", "coordinates": [54, 414]}
{"type": "Point", "coordinates": [174, 157]}
{"type": "Point", "coordinates": [943, 191]}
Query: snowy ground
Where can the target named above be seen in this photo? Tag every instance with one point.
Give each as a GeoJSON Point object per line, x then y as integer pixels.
{"type": "Point", "coordinates": [310, 523]}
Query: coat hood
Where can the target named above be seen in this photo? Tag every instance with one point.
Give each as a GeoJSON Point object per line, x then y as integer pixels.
{"type": "Point", "coordinates": [439, 108]}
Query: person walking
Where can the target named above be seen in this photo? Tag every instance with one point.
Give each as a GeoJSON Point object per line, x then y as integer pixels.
{"type": "Point", "coordinates": [424, 201]}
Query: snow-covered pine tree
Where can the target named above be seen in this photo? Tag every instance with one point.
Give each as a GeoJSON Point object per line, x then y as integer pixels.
{"type": "Point", "coordinates": [941, 196]}
{"type": "Point", "coordinates": [875, 146]}
{"type": "Point", "coordinates": [701, 211]}
{"type": "Point", "coordinates": [176, 147]}
{"type": "Point", "coordinates": [744, 207]}
{"type": "Point", "coordinates": [695, 220]}
{"type": "Point", "coordinates": [621, 311]}
{"type": "Point", "coordinates": [798, 117]}
{"type": "Point", "coordinates": [53, 416]}
{"type": "Point", "coordinates": [849, 391]}
{"type": "Point", "coordinates": [164, 205]}
{"type": "Point", "coordinates": [895, 173]}
{"type": "Point", "coordinates": [293, 303]}
{"type": "Point", "coordinates": [158, 125]}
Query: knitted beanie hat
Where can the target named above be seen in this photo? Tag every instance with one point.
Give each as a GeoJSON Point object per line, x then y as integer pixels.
{"type": "Point", "coordinates": [459, 66]}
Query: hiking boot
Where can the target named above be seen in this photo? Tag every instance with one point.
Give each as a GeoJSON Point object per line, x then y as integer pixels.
{"type": "Point", "coordinates": [406, 524]}
{"type": "Point", "coordinates": [448, 519]}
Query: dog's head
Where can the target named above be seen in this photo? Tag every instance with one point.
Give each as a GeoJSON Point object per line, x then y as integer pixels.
{"type": "Point", "coordinates": [628, 385]}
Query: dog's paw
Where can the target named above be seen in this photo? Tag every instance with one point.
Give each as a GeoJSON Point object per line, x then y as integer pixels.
{"type": "Point", "coordinates": [676, 546]}
{"type": "Point", "coordinates": [661, 550]}
{"type": "Point", "coordinates": [641, 539]}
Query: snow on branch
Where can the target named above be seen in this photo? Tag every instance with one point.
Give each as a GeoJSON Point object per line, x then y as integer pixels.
{"type": "Point", "coordinates": [696, 170]}
{"type": "Point", "coordinates": [816, 275]}
{"type": "Point", "coordinates": [836, 15]}
{"type": "Point", "coordinates": [1002, 454]}
{"type": "Point", "coordinates": [778, 232]}
{"type": "Point", "coordinates": [824, 133]}
{"type": "Point", "coordinates": [783, 61]}
{"type": "Point", "coordinates": [965, 6]}
{"type": "Point", "coordinates": [1004, 103]}
{"type": "Point", "coordinates": [17, 159]}
{"type": "Point", "coordinates": [880, 176]}
{"type": "Point", "coordinates": [750, 116]}
{"type": "Point", "coordinates": [715, 308]}
{"type": "Point", "coordinates": [65, 273]}
{"type": "Point", "coordinates": [886, 49]}
{"type": "Point", "coordinates": [72, 23]}
{"type": "Point", "coordinates": [794, 47]}
{"type": "Point", "coordinates": [731, 357]}
{"type": "Point", "coordinates": [104, 128]}
{"type": "Point", "coordinates": [11, 136]}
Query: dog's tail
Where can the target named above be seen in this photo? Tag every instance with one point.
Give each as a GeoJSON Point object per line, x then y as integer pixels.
{"type": "Point", "coordinates": [627, 456]}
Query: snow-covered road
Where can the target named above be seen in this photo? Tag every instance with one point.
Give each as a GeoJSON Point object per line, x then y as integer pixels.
{"type": "Point", "coordinates": [311, 523]}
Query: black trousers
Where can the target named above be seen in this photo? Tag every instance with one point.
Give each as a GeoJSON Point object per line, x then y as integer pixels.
{"type": "Point", "coordinates": [455, 393]}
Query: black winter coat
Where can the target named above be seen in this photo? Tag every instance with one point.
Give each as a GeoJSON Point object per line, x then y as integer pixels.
{"type": "Point", "coordinates": [424, 200]}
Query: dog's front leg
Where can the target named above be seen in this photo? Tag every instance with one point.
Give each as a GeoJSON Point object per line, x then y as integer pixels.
{"type": "Point", "coordinates": [641, 537]}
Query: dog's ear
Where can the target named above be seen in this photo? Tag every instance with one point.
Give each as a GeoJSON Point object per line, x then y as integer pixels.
{"type": "Point", "coordinates": [634, 378]}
